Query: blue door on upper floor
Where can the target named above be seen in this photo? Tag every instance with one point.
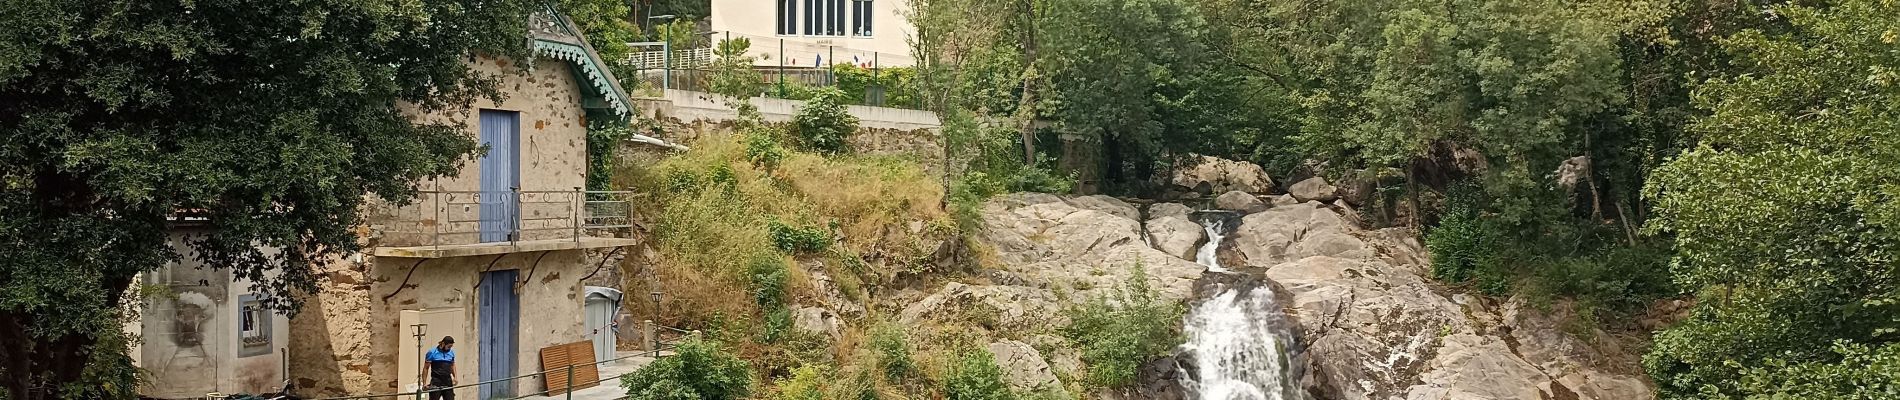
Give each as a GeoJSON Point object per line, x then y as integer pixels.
{"type": "Point", "coordinates": [500, 175]}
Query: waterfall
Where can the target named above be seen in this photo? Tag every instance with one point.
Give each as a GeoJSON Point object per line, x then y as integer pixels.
{"type": "Point", "coordinates": [1208, 256]}
{"type": "Point", "coordinates": [1238, 342]}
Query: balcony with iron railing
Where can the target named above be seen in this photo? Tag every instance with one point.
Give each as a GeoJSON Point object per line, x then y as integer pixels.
{"type": "Point", "coordinates": [445, 223]}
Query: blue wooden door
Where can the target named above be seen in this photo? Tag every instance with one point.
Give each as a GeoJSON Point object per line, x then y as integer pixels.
{"type": "Point", "coordinates": [500, 174]}
{"type": "Point", "coordinates": [498, 319]}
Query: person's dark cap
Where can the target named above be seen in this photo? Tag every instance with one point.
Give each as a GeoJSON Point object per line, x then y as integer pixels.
{"type": "Point", "coordinates": [448, 339]}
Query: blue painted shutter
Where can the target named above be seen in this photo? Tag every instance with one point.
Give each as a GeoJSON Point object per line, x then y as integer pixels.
{"type": "Point", "coordinates": [500, 174]}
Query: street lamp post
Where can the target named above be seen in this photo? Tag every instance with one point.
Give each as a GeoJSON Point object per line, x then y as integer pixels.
{"type": "Point", "coordinates": [666, 46]}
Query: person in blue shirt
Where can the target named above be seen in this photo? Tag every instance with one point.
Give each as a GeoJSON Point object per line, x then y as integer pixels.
{"type": "Point", "coordinates": [439, 366]}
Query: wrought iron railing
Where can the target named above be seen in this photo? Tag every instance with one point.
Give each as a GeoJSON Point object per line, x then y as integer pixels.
{"type": "Point", "coordinates": [449, 217]}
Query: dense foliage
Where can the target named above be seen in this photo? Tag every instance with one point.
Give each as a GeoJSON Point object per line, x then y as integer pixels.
{"type": "Point", "coordinates": [975, 376]}
{"type": "Point", "coordinates": [698, 370]}
{"type": "Point", "coordinates": [1785, 213]}
{"type": "Point", "coordinates": [1119, 335]}
{"type": "Point", "coordinates": [822, 125]}
{"type": "Point", "coordinates": [271, 119]}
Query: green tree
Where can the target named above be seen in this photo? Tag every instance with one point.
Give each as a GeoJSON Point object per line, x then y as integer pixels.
{"type": "Point", "coordinates": [271, 119]}
{"type": "Point", "coordinates": [1785, 210]}
{"type": "Point", "coordinates": [823, 125]}
{"type": "Point", "coordinates": [608, 25]}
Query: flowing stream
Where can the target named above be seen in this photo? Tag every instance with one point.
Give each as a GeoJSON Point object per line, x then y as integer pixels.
{"type": "Point", "coordinates": [1238, 342]}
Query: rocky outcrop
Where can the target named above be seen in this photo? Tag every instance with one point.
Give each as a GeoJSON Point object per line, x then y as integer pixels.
{"type": "Point", "coordinates": [1084, 245]}
{"type": "Point", "coordinates": [1282, 234]}
{"type": "Point", "coordinates": [1170, 230]}
{"type": "Point", "coordinates": [1219, 175]}
{"type": "Point", "coordinates": [818, 321]}
{"type": "Point", "coordinates": [1314, 189]}
{"type": "Point", "coordinates": [1372, 328]}
{"type": "Point", "coordinates": [997, 307]}
{"type": "Point", "coordinates": [1240, 201]}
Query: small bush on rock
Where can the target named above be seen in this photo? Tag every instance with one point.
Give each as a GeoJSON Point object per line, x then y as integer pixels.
{"type": "Point", "coordinates": [1117, 337]}
{"type": "Point", "coordinates": [975, 376]}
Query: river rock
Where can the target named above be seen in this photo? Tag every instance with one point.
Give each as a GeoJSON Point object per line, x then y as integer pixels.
{"type": "Point", "coordinates": [1159, 210]}
{"type": "Point", "coordinates": [1282, 234]}
{"type": "Point", "coordinates": [1283, 200]}
{"type": "Point", "coordinates": [1024, 368]}
{"type": "Point", "coordinates": [1175, 235]}
{"type": "Point", "coordinates": [1221, 175]}
{"type": "Point", "coordinates": [1314, 189]}
{"type": "Point", "coordinates": [1240, 201]}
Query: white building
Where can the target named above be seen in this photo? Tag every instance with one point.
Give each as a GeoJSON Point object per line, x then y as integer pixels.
{"type": "Point", "coordinates": [810, 33]}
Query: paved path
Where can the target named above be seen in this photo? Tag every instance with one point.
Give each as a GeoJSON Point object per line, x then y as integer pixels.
{"type": "Point", "coordinates": [609, 388]}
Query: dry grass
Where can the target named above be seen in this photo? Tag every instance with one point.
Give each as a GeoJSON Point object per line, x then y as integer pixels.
{"type": "Point", "coordinates": [707, 209]}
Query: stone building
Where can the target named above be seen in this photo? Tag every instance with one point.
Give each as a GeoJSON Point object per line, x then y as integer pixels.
{"type": "Point", "coordinates": [494, 256]}
{"type": "Point", "coordinates": [203, 331]}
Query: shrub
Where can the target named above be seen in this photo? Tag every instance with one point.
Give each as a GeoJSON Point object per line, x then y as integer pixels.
{"type": "Point", "coordinates": [1117, 337]}
{"type": "Point", "coordinates": [798, 239]}
{"type": "Point", "coordinates": [893, 351]}
{"type": "Point", "coordinates": [698, 370]}
{"type": "Point", "coordinates": [975, 376]}
{"type": "Point", "coordinates": [768, 276]}
{"type": "Point", "coordinates": [822, 124]}
{"type": "Point", "coordinates": [806, 383]}
{"type": "Point", "coordinates": [762, 150]}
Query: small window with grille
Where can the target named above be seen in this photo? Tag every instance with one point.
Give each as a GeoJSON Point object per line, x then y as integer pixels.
{"type": "Point", "coordinates": [253, 326]}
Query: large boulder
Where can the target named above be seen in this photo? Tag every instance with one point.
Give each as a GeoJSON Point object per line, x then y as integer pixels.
{"type": "Point", "coordinates": [1282, 234]}
{"type": "Point", "coordinates": [1372, 328]}
{"type": "Point", "coordinates": [1221, 175]}
{"type": "Point", "coordinates": [1240, 201]}
{"type": "Point", "coordinates": [1171, 231]}
{"type": "Point", "coordinates": [1079, 246]}
{"type": "Point", "coordinates": [1314, 189]}
{"type": "Point", "coordinates": [1358, 187]}
{"type": "Point", "coordinates": [1024, 369]}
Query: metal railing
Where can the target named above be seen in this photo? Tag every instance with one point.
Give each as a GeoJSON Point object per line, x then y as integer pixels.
{"type": "Point", "coordinates": [450, 217]}
{"type": "Point", "coordinates": [657, 352]}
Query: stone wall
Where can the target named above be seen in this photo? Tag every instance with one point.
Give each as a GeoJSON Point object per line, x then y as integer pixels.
{"type": "Point", "coordinates": [687, 116]}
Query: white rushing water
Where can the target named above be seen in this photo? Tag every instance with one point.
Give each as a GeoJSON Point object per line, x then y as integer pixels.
{"type": "Point", "coordinates": [1238, 344]}
{"type": "Point", "coordinates": [1208, 255]}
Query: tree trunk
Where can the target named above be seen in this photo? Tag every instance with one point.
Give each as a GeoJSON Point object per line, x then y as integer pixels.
{"type": "Point", "coordinates": [1026, 106]}
{"type": "Point", "coordinates": [38, 368]}
{"type": "Point", "coordinates": [1411, 190]}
